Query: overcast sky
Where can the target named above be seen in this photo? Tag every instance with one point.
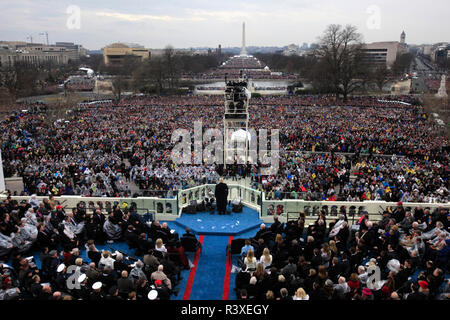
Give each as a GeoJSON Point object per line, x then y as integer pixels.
{"type": "Point", "coordinates": [195, 23]}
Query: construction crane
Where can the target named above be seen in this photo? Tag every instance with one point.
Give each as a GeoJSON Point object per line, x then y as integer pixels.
{"type": "Point", "coordinates": [44, 34]}
{"type": "Point", "coordinates": [31, 38]}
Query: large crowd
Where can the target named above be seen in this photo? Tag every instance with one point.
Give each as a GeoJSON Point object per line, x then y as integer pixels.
{"type": "Point", "coordinates": [70, 267]}
{"type": "Point", "coordinates": [328, 177]}
{"type": "Point", "coordinates": [405, 256]}
{"type": "Point", "coordinates": [327, 260]}
{"type": "Point", "coordinates": [219, 75]}
{"type": "Point", "coordinates": [364, 149]}
{"type": "Point", "coordinates": [79, 83]}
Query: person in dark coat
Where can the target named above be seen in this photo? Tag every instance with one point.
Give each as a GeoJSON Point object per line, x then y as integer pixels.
{"type": "Point", "coordinates": [317, 293]}
{"type": "Point", "coordinates": [193, 239]}
{"type": "Point", "coordinates": [163, 291]}
{"type": "Point", "coordinates": [277, 226]}
{"type": "Point", "coordinates": [57, 217]}
{"type": "Point", "coordinates": [93, 229]}
{"type": "Point", "coordinates": [221, 194]}
{"type": "Point", "coordinates": [45, 238]}
{"type": "Point", "coordinates": [242, 280]}
{"type": "Point", "coordinates": [125, 284]}
{"type": "Point", "coordinates": [415, 293]}
{"type": "Point", "coordinates": [131, 237]}
{"type": "Point", "coordinates": [52, 264]}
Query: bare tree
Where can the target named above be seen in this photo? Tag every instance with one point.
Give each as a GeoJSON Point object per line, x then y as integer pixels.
{"type": "Point", "coordinates": [159, 74]}
{"type": "Point", "coordinates": [119, 85]}
{"type": "Point", "coordinates": [381, 75]}
{"type": "Point", "coordinates": [318, 74]}
{"type": "Point", "coordinates": [151, 77]}
{"type": "Point", "coordinates": [171, 66]}
{"type": "Point", "coordinates": [19, 79]}
{"type": "Point", "coordinates": [6, 100]}
{"type": "Point", "coordinates": [402, 63]}
{"type": "Point", "coordinates": [340, 49]}
{"type": "Point", "coordinates": [123, 72]}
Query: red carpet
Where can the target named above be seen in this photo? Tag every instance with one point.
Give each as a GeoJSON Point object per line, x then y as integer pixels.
{"type": "Point", "coordinates": [190, 282]}
{"type": "Point", "coordinates": [226, 283]}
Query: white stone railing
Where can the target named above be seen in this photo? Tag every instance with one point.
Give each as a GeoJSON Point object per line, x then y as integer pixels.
{"type": "Point", "coordinates": [249, 197]}
{"type": "Point", "coordinates": [290, 209]}
{"type": "Point", "coordinates": [171, 208]}
{"type": "Point", "coordinates": [160, 208]}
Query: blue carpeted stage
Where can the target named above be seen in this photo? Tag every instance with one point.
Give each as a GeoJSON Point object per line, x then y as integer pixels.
{"type": "Point", "coordinates": [213, 224]}
{"type": "Point", "coordinates": [212, 275]}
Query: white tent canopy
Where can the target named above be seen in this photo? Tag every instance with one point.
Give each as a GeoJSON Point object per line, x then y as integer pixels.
{"type": "Point", "coordinates": [240, 136]}
{"type": "Point", "coordinates": [89, 71]}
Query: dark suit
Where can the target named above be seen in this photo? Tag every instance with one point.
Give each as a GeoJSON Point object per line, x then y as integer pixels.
{"type": "Point", "coordinates": [131, 239]}
{"type": "Point", "coordinates": [119, 266]}
{"type": "Point", "coordinates": [125, 286]}
{"type": "Point", "coordinates": [276, 227]}
{"type": "Point", "coordinates": [418, 296]}
{"type": "Point", "coordinates": [45, 239]}
{"type": "Point", "coordinates": [316, 261]}
{"type": "Point", "coordinates": [334, 271]}
{"type": "Point", "coordinates": [288, 270]}
{"type": "Point", "coordinates": [94, 256]}
{"type": "Point", "coordinates": [189, 235]}
{"type": "Point", "coordinates": [36, 289]}
{"type": "Point", "coordinates": [190, 240]}
{"type": "Point", "coordinates": [221, 194]}
{"type": "Point", "coordinates": [342, 238]}
{"type": "Point", "coordinates": [163, 293]}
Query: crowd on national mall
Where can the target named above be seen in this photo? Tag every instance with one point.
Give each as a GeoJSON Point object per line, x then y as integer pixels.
{"type": "Point", "coordinates": [364, 149]}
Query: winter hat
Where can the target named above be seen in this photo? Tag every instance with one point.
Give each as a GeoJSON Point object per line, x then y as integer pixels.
{"type": "Point", "coordinates": [423, 284]}
{"type": "Point", "coordinates": [367, 292]}
{"type": "Point", "coordinates": [158, 282]}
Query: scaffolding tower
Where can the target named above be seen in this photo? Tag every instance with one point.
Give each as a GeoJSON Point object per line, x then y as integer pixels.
{"type": "Point", "coordinates": [235, 121]}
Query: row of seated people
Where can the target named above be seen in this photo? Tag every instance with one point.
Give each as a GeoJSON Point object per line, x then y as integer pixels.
{"type": "Point", "coordinates": [61, 271]}
{"type": "Point", "coordinates": [296, 262]}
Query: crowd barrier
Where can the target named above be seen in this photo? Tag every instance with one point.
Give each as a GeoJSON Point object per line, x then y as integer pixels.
{"type": "Point", "coordinates": [160, 208]}
{"type": "Point", "coordinates": [171, 208]}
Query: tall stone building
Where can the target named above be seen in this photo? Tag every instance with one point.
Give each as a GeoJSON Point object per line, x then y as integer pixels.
{"type": "Point", "coordinates": [38, 54]}
{"type": "Point", "coordinates": [116, 52]}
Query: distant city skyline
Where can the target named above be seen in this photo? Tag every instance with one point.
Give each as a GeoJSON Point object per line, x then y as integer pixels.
{"type": "Point", "coordinates": [201, 23]}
